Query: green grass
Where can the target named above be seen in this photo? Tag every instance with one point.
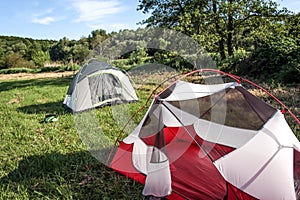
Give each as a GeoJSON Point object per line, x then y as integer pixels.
{"type": "Point", "coordinates": [49, 160]}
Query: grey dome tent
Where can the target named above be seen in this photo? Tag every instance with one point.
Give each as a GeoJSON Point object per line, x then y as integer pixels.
{"type": "Point", "coordinates": [98, 84]}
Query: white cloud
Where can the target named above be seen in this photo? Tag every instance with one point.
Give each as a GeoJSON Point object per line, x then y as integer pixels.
{"type": "Point", "coordinates": [95, 11]}
{"type": "Point", "coordinates": [43, 20]}
{"type": "Point", "coordinates": [43, 17]}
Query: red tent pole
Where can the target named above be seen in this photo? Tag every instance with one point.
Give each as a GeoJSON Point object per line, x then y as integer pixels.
{"type": "Point", "coordinates": [238, 79]}
{"type": "Point", "coordinates": [277, 100]}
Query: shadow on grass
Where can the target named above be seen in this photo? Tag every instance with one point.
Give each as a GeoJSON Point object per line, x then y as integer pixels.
{"type": "Point", "coordinates": [51, 107]}
{"type": "Point", "coordinates": [9, 85]}
{"type": "Point", "coordinates": [69, 176]}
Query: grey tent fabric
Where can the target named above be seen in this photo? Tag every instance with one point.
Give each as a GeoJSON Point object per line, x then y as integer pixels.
{"type": "Point", "coordinates": [98, 84]}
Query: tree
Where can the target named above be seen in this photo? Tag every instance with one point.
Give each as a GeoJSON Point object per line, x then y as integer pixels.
{"type": "Point", "coordinates": [216, 24]}
{"type": "Point", "coordinates": [293, 27]}
{"type": "Point", "coordinates": [80, 52]}
{"type": "Point", "coordinates": [137, 56]}
{"type": "Point", "coordinates": [19, 47]}
{"type": "Point", "coordinates": [40, 57]}
{"type": "Point", "coordinates": [61, 51]}
{"type": "Point", "coordinates": [2, 55]}
{"type": "Point", "coordinates": [97, 37]}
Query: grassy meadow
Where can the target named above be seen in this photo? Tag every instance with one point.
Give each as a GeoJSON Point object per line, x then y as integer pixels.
{"type": "Point", "coordinates": [49, 160]}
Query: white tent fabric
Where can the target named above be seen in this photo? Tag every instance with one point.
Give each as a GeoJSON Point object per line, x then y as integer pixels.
{"type": "Point", "coordinates": [158, 181]}
{"type": "Point", "coordinates": [80, 99]}
{"type": "Point", "coordinates": [98, 84]}
{"type": "Point", "coordinates": [185, 90]}
{"type": "Point", "coordinates": [222, 134]}
{"type": "Point", "coordinates": [266, 162]}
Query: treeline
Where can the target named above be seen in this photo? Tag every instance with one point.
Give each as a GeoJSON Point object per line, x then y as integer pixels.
{"type": "Point", "coordinates": [23, 52]}
{"type": "Point", "coordinates": [18, 52]}
{"type": "Point", "coordinates": [254, 38]}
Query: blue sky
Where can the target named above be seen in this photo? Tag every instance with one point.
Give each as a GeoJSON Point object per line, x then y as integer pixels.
{"type": "Point", "coordinates": [55, 19]}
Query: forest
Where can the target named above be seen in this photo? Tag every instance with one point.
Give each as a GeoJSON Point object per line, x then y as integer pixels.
{"type": "Point", "coordinates": [254, 38]}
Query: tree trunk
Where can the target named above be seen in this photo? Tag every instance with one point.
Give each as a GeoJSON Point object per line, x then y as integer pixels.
{"type": "Point", "coordinates": [219, 31]}
{"type": "Point", "coordinates": [230, 30]}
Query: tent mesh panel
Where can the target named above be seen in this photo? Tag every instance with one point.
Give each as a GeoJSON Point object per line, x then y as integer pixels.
{"type": "Point", "coordinates": [234, 107]}
{"type": "Point", "coordinates": [103, 87]}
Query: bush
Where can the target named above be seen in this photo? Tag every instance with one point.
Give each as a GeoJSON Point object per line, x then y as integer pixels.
{"type": "Point", "coordinates": [17, 70]}
{"type": "Point", "coordinates": [73, 67]}
{"type": "Point", "coordinates": [290, 73]}
{"type": "Point", "coordinates": [50, 69]}
{"type": "Point", "coordinates": [138, 56]}
{"type": "Point", "coordinates": [120, 63]}
{"type": "Point", "coordinates": [172, 60]}
{"type": "Point", "coordinates": [61, 68]}
{"type": "Point", "coordinates": [15, 60]}
{"type": "Point", "coordinates": [275, 60]}
{"type": "Point", "coordinates": [231, 63]}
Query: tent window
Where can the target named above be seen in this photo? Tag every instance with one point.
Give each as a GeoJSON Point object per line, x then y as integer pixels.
{"type": "Point", "coordinates": [232, 108]}
{"type": "Point", "coordinates": [104, 87]}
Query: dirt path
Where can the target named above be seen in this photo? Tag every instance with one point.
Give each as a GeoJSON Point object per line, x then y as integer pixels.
{"type": "Point", "coordinates": [36, 75]}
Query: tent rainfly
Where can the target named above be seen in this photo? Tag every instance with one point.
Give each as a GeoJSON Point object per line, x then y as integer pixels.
{"type": "Point", "coordinates": [98, 84]}
{"type": "Point", "coordinates": [215, 141]}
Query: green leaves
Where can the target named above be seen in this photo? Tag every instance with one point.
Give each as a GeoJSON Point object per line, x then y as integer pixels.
{"type": "Point", "coordinates": [236, 32]}
{"type": "Point", "coordinates": [40, 57]}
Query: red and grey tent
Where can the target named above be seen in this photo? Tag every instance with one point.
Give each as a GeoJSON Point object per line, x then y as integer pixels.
{"type": "Point", "coordinates": [212, 141]}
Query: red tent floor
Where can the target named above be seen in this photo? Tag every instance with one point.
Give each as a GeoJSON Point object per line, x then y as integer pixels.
{"type": "Point", "coordinates": [193, 173]}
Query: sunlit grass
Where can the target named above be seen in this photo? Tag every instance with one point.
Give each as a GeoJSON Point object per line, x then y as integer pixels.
{"type": "Point", "coordinates": [49, 160]}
